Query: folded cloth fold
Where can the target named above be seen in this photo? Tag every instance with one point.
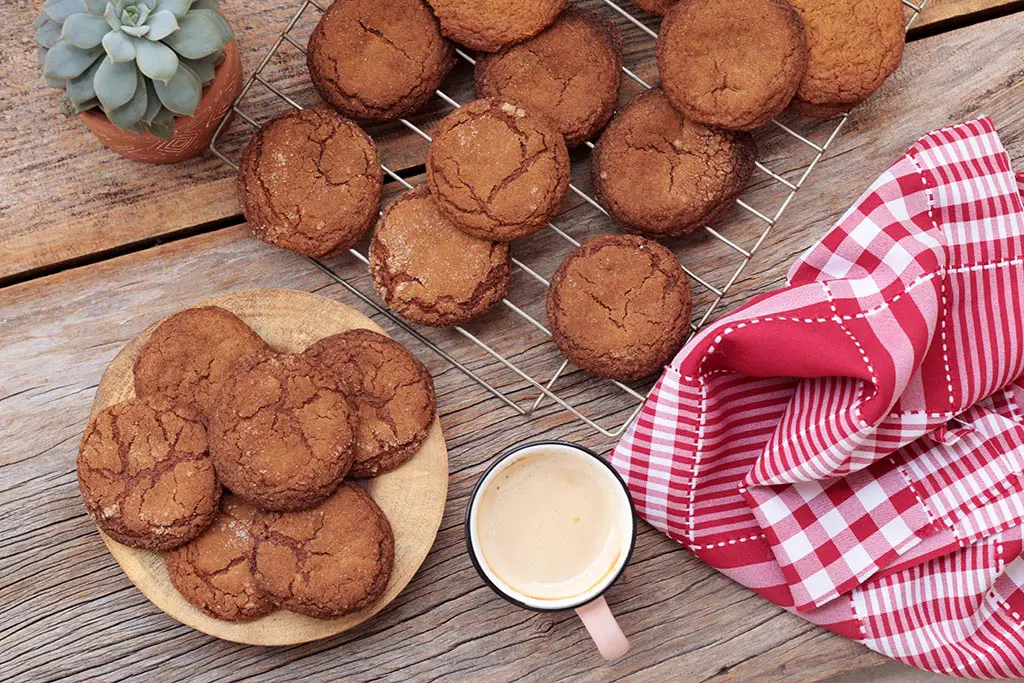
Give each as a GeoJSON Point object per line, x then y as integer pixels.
{"type": "Point", "coordinates": [851, 446]}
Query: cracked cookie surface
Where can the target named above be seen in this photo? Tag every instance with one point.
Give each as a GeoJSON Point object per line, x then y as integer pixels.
{"type": "Point", "coordinates": [853, 46]}
{"type": "Point", "coordinates": [690, 173]}
{"type": "Point", "coordinates": [190, 354]}
{"type": "Point", "coordinates": [378, 60]}
{"type": "Point", "coordinates": [431, 272]}
{"type": "Point", "coordinates": [145, 473]}
{"type": "Point", "coordinates": [619, 306]}
{"type": "Point", "coordinates": [310, 181]}
{"type": "Point", "coordinates": [570, 73]}
{"type": "Point", "coordinates": [390, 390]}
{"type": "Point", "coordinates": [281, 433]}
{"type": "Point", "coordinates": [212, 571]}
{"type": "Point", "coordinates": [655, 6]}
{"type": "Point", "coordinates": [490, 25]}
{"type": "Point", "coordinates": [497, 171]}
{"type": "Point", "coordinates": [734, 64]}
{"type": "Point", "coordinates": [328, 560]}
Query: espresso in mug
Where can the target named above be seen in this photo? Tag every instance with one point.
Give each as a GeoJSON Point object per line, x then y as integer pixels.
{"type": "Point", "coordinates": [554, 524]}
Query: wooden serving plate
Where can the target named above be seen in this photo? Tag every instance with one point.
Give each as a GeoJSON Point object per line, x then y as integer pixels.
{"type": "Point", "coordinates": [412, 496]}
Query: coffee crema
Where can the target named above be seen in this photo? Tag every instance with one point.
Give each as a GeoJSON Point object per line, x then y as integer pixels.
{"type": "Point", "coordinates": [551, 525]}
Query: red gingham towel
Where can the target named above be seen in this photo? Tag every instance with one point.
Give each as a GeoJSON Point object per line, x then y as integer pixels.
{"type": "Point", "coordinates": [851, 446]}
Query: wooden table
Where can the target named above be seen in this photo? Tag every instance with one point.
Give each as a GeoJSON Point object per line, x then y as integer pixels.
{"type": "Point", "coordinates": [94, 248]}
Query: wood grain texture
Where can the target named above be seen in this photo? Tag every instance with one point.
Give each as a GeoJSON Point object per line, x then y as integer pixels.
{"type": "Point", "coordinates": [63, 196]}
{"type": "Point", "coordinates": [68, 613]}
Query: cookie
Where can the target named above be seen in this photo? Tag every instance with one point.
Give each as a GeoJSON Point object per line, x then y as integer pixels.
{"type": "Point", "coordinates": [429, 271]}
{"type": "Point", "coordinates": [327, 561]}
{"type": "Point", "coordinates": [212, 571]}
{"type": "Point", "coordinates": [281, 434]}
{"type": "Point", "coordinates": [391, 392]}
{"type": "Point", "coordinates": [689, 173]}
{"type": "Point", "coordinates": [145, 473]}
{"type": "Point", "coordinates": [378, 61]}
{"type": "Point", "coordinates": [310, 181]}
{"type": "Point", "coordinates": [854, 45]}
{"type": "Point", "coordinates": [570, 73]}
{"type": "Point", "coordinates": [734, 64]}
{"type": "Point", "coordinates": [496, 171]}
{"type": "Point", "coordinates": [619, 306]}
{"type": "Point", "coordinates": [189, 355]}
{"type": "Point", "coordinates": [490, 25]}
{"type": "Point", "coordinates": [659, 7]}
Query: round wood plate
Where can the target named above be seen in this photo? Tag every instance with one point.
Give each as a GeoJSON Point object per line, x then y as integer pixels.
{"type": "Point", "coordinates": [412, 496]}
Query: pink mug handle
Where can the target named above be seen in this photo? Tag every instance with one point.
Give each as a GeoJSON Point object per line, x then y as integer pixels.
{"type": "Point", "coordinates": [601, 625]}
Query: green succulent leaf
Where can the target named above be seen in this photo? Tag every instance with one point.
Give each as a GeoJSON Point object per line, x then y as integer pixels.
{"type": "Point", "coordinates": [180, 94]}
{"type": "Point", "coordinates": [177, 7]}
{"type": "Point", "coordinates": [84, 30]}
{"type": "Point", "coordinates": [156, 60]}
{"type": "Point", "coordinates": [225, 28]}
{"type": "Point", "coordinates": [131, 113]}
{"type": "Point", "coordinates": [119, 46]}
{"type": "Point", "coordinates": [87, 105]}
{"type": "Point", "coordinates": [204, 69]}
{"type": "Point", "coordinates": [81, 88]}
{"type": "Point", "coordinates": [115, 83]}
{"type": "Point", "coordinates": [48, 32]}
{"type": "Point", "coordinates": [55, 82]}
{"type": "Point", "coordinates": [111, 15]}
{"type": "Point", "coordinates": [40, 20]}
{"type": "Point", "coordinates": [64, 60]}
{"type": "Point", "coordinates": [144, 11]}
{"type": "Point", "coordinates": [59, 10]}
{"type": "Point", "coordinates": [153, 104]}
{"type": "Point", "coordinates": [206, 4]}
{"type": "Point", "coordinates": [135, 31]}
{"type": "Point", "coordinates": [42, 56]}
{"type": "Point", "coordinates": [198, 35]}
{"type": "Point", "coordinates": [163, 125]}
{"type": "Point", "coordinates": [161, 25]}
{"type": "Point", "coordinates": [95, 7]}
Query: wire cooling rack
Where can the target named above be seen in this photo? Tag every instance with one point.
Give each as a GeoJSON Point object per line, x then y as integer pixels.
{"type": "Point", "coordinates": [542, 385]}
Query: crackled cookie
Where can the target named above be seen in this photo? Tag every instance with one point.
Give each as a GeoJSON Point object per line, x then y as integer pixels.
{"type": "Point", "coordinates": [688, 173]}
{"type": "Point", "coordinates": [854, 45]}
{"type": "Point", "coordinates": [212, 571]}
{"type": "Point", "coordinates": [490, 25]}
{"type": "Point", "coordinates": [390, 390]}
{"type": "Point", "coordinates": [281, 433]}
{"type": "Point", "coordinates": [496, 171]}
{"type": "Point", "coordinates": [378, 60]}
{"type": "Point", "coordinates": [655, 6]}
{"type": "Point", "coordinates": [619, 306]}
{"type": "Point", "coordinates": [431, 272]}
{"type": "Point", "coordinates": [145, 473]}
{"type": "Point", "coordinates": [734, 63]}
{"type": "Point", "coordinates": [328, 560]}
{"type": "Point", "coordinates": [310, 181]}
{"type": "Point", "coordinates": [189, 355]}
{"type": "Point", "coordinates": [570, 73]}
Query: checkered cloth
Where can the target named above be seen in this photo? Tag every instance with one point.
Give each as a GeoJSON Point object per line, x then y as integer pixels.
{"type": "Point", "coordinates": [851, 446]}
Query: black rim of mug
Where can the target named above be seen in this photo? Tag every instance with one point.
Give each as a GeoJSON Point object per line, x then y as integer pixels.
{"type": "Point", "coordinates": [476, 490]}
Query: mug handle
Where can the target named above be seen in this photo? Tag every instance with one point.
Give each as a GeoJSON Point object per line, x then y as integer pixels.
{"type": "Point", "coordinates": [601, 625]}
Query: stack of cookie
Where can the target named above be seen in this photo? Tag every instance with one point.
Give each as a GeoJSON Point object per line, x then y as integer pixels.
{"type": "Point", "coordinates": [233, 459]}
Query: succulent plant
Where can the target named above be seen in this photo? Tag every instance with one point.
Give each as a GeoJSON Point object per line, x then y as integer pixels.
{"type": "Point", "coordinates": [139, 61]}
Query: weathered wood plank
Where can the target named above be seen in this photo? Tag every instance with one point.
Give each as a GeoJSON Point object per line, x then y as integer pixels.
{"type": "Point", "coordinates": [63, 196]}
{"type": "Point", "coordinates": [67, 612]}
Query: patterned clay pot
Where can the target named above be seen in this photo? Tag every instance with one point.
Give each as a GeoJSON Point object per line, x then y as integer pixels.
{"type": "Point", "coordinates": [192, 134]}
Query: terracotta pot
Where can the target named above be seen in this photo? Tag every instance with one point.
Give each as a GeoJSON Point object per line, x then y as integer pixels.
{"type": "Point", "coordinates": [192, 134]}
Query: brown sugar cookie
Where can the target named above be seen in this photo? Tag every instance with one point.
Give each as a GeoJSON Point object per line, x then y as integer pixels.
{"type": "Point", "coordinates": [189, 355]}
{"type": "Point", "coordinates": [145, 473]}
{"type": "Point", "coordinates": [490, 25]}
{"type": "Point", "coordinates": [619, 306]}
{"type": "Point", "coordinates": [281, 433]}
{"type": "Point", "coordinates": [689, 173]}
{"type": "Point", "coordinates": [498, 172]}
{"type": "Point", "coordinates": [328, 560]}
{"type": "Point", "coordinates": [212, 571]}
{"type": "Point", "coordinates": [659, 7]}
{"type": "Point", "coordinates": [854, 45]}
{"type": "Point", "coordinates": [391, 391]}
{"type": "Point", "coordinates": [734, 64]}
{"type": "Point", "coordinates": [310, 181]}
{"type": "Point", "coordinates": [378, 60]}
{"type": "Point", "coordinates": [570, 73]}
{"type": "Point", "coordinates": [430, 272]}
